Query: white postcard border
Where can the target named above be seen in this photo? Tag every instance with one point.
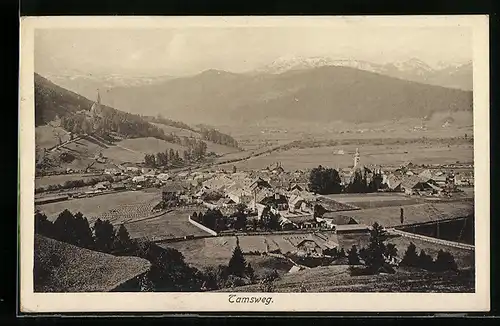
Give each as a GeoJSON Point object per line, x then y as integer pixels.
{"type": "Point", "coordinates": [219, 302]}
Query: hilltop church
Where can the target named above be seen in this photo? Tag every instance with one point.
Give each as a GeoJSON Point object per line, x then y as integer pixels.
{"type": "Point", "coordinates": [94, 116]}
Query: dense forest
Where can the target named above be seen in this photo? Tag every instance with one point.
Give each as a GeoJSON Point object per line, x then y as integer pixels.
{"type": "Point", "coordinates": [197, 150]}
{"type": "Point", "coordinates": [168, 122]}
{"type": "Point", "coordinates": [126, 124]}
{"type": "Point", "coordinates": [217, 137]}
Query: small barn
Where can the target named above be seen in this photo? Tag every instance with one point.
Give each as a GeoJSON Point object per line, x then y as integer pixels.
{"type": "Point", "coordinates": [172, 191]}
{"type": "Point", "coordinates": [309, 247]}
{"type": "Point", "coordinates": [415, 185]}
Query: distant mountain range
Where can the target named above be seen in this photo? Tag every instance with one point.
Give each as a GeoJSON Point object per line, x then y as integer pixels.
{"type": "Point", "coordinates": [446, 75]}
{"type": "Point", "coordinates": [293, 89]}
{"type": "Point", "coordinates": [326, 93]}
{"type": "Point", "coordinates": [87, 84]}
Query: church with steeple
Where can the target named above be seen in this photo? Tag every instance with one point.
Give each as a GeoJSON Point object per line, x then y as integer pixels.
{"type": "Point", "coordinates": [96, 110]}
{"type": "Point", "coordinates": [95, 113]}
{"type": "Point", "coordinates": [356, 160]}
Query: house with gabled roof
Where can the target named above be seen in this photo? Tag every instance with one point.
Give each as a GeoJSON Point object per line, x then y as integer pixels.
{"type": "Point", "coordinates": [414, 184]}
{"type": "Point", "coordinates": [394, 183]}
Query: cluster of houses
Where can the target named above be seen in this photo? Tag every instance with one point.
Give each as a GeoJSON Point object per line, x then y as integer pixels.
{"type": "Point", "coordinates": [295, 207]}
{"type": "Point", "coordinates": [426, 182]}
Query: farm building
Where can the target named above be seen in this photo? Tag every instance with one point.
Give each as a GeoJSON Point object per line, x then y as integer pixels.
{"type": "Point", "coordinates": [295, 269]}
{"type": "Point", "coordinates": [296, 202]}
{"type": "Point", "coordinates": [351, 228]}
{"type": "Point", "coordinates": [239, 194]}
{"type": "Point", "coordinates": [275, 168]}
{"type": "Point", "coordinates": [146, 170]}
{"type": "Point", "coordinates": [61, 267]}
{"type": "Point", "coordinates": [217, 183]}
{"type": "Point", "coordinates": [335, 218]}
{"type": "Point", "coordinates": [286, 224]}
{"type": "Point", "coordinates": [414, 185]}
{"type": "Point", "coordinates": [172, 191]}
{"type": "Point", "coordinates": [118, 186]}
{"type": "Point", "coordinates": [394, 183]}
{"type": "Point", "coordinates": [309, 247]}
{"type": "Point", "coordinates": [163, 177]}
{"type": "Point", "coordinates": [259, 184]}
{"type": "Point", "coordinates": [112, 171]}
{"type": "Point", "coordinates": [315, 245]}
{"type": "Point", "coordinates": [298, 186]}
{"type": "Point", "coordinates": [426, 175]}
{"type": "Point", "coordinates": [300, 220]}
{"type": "Point", "coordinates": [139, 179]}
{"type": "Point", "coordinates": [102, 185]}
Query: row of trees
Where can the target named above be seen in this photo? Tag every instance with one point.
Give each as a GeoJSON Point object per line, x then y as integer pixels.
{"type": "Point", "coordinates": [360, 183]}
{"type": "Point", "coordinates": [168, 122]}
{"type": "Point", "coordinates": [378, 253]}
{"type": "Point", "coordinates": [218, 137]}
{"type": "Point", "coordinates": [444, 260]}
{"type": "Point", "coordinates": [111, 120]}
{"type": "Point", "coordinates": [173, 158]}
{"type": "Point", "coordinates": [215, 220]}
{"type": "Point", "coordinates": [212, 219]}
{"type": "Point", "coordinates": [75, 229]}
{"type": "Point", "coordinates": [169, 272]}
{"type": "Point", "coordinates": [70, 184]}
{"type": "Point", "coordinates": [327, 181]}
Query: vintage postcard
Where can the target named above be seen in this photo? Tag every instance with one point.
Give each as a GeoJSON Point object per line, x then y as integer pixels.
{"type": "Point", "coordinates": [205, 164]}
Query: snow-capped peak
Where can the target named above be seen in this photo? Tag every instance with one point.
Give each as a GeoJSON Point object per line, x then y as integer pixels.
{"type": "Point", "coordinates": [288, 62]}
{"type": "Point", "coordinates": [414, 65]}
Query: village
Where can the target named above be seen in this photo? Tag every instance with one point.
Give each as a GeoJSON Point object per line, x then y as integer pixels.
{"type": "Point", "coordinates": [275, 212]}
{"type": "Point", "coordinates": [180, 217]}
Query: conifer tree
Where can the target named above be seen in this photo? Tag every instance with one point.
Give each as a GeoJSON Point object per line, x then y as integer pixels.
{"type": "Point", "coordinates": [410, 257]}
{"type": "Point", "coordinates": [352, 256]}
{"type": "Point", "coordinates": [237, 263]}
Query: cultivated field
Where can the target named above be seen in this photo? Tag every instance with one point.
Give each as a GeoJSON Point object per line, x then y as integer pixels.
{"type": "Point", "coordinates": [47, 136]}
{"type": "Point", "coordinates": [360, 240]}
{"type": "Point", "coordinates": [375, 200]}
{"type": "Point", "coordinates": [217, 250]}
{"type": "Point", "coordinates": [338, 279]}
{"type": "Point", "coordinates": [177, 131]}
{"type": "Point", "coordinates": [172, 224]}
{"type": "Point", "coordinates": [420, 213]}
{"type": "Point", "coordinates": [382, 155]}
{"type": "Point", "coordinates": [279, 131]}
{"type": "Point", "coordinates": [205, 252]}
{"type": "Point", "coordinates": [202, 253]}
{"type": "Point", "coordinates": [120, 207]}
{"type": "Point", "coordinates": [211, 147]}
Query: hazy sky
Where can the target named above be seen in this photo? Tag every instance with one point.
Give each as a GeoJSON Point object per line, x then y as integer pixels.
{"type": "Point", "coordinates": [194, 49]}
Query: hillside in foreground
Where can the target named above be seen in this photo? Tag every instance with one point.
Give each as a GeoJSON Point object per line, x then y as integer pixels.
{"type": "Point", "coordinates": [338, 279]}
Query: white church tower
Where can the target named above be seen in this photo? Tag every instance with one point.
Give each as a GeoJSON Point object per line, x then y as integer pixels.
{"type": "Point", "coordinates": [356, 159]}
{"type": "Point", "coordinates": [95, 110]}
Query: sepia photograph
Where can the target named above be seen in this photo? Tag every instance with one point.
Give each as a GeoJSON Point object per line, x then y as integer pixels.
{"type": "Point", "coordinates": [240, 163]}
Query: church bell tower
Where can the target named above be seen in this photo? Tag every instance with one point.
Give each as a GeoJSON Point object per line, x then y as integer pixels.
{"type": "Point", "coordinates": [356, 158]}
